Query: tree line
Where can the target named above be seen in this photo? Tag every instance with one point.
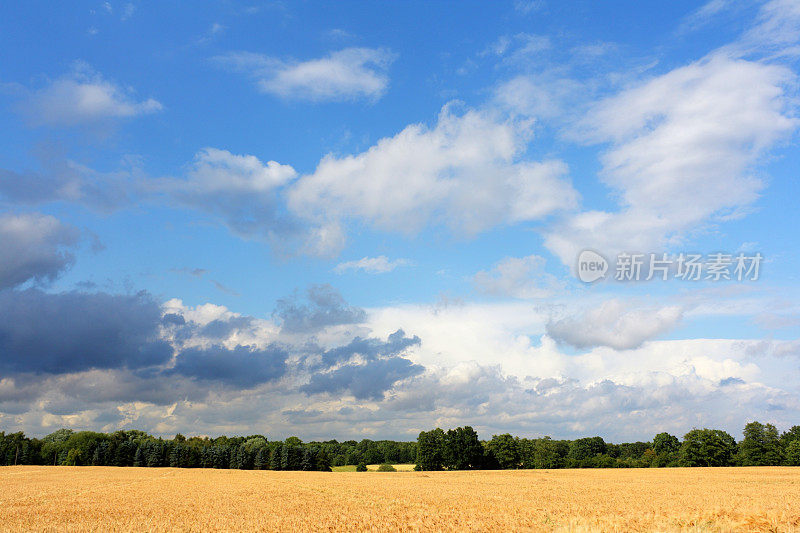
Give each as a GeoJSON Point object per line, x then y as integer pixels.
{"type": "Point", "coordinates": [137, 448]}
{"type": "Point", "coordinates": [454, 449]}
{"type": "Point", "coordinates": [460, 449]}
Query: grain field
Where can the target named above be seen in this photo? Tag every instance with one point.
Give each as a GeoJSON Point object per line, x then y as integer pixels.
{"type": "Point", "coordinates": [167, 499]}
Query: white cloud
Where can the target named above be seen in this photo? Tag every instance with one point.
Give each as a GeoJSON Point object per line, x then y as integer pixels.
{"type": "Point", "coordinates": [702, 15]}
{"type": "Point", "coordinates": [528, 6]}
{"type": "Point", "coordinates": [465, 173]}
{"type": "Point", "coordinates": [34, 247]}
{"type": "Point", "coordinates": [776, 30]}
{"type": "Point", "coordinates": [683, 147]}
{"type": "Point", "coordinates": [518, 48]}
{"type": "Point", "coordinates": [84, 97]}
{"type": "Point", "coordinates": [352, 73]}
{"type": "Point", "coordinates": [517, 277]}
{"type": "Point", "coordinates": [540, 96]}
{"type": "Point", "coordinates": [480, 360]}
{"type": "Point", "coordinates": [371, 265]}
{"type": "Point", "coordinates": [614, 324]}
{"type": "Point", "coordinates": [220, 171]}
{"type": "Point", "coordinates": [239, 189]}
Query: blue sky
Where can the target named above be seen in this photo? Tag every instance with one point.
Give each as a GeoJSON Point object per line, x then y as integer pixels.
{"type": "Point", "coordinates": [363, 219]}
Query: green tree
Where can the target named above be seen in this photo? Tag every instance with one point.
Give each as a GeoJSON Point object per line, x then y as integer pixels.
{"type": "Point", "coordinates": [262, 458]}
{"type": "Point", "coordinates": [707, 447]}
{"type": "Point", "coordinates": [584, 452]}
{"type": "Point", "coordinates": [462, 449]}
{"type": "Point", "coordinates": [275, 457]}
{"type": "Point", "coordinates": [430, 450]}
{"type": "Point", "coordinates": [664, 443]}
{"type": "Point", "coordinates": [361, 467]}
{"type": "Point", "coordinates": [504, 450]}
{"type": "Point", "coordinates": [793, 453]}
{"type": "Point", "coordinates": [761, 445]}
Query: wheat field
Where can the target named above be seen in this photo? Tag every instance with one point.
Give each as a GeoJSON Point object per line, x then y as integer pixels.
{"type": "Point", "coordinates": [167, 499]}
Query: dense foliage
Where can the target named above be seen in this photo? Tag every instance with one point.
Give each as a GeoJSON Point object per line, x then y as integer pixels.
{"type": "Point", "coordinates": [454, 449]}
{"type": "Point", "coordinates": [256, 452]}
{"type": "Point", "coordinates": [460, 449]}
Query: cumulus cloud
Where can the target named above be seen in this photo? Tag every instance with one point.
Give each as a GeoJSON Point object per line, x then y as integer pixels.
{"type": "Point", "coordinates": [84, 97]}
{"type": "Point", "coordinates": [243, 366]}
{"type": "Point", "coordinates": [371, 265]}
{"type": "Point", "coordinates": [323, 307]}
{"type": "Point", "coordinates": [370, 349]}
{"type": "Point", "coordinates": [349, 74]}
{"type": "Point", "coordinates": [542, 95]}
{"type": "Point", "coordinates": [517, 277]}
{"type": "Point", "coordinates": [240, 190]}
{"type": "Point", "coordinates": [60, 179]}
{"type": "Point", "coordinates": [614, 324]}
{"type": "Point", "coordinates": [34, 247]}
{"type": "Point", "coordinates": [371, 367]}
{"type": "Point", "coordinates": [65, 181]}
{"type": "Point", "coordinates": [477, 366]}
{"type": "Point", "coordinates": [465, 173]}
{"type": "Point", "coordinates": [682, 150]}
{"type": "Point", "coordinates": [70, 332]}
{"type": "Point", "coordinates": [365, 381]}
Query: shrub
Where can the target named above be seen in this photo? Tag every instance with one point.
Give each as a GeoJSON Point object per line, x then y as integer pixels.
{"type": "Point", "coordinates": [361, 467]}
{"type": "Point", "coordinates": [386, 467]}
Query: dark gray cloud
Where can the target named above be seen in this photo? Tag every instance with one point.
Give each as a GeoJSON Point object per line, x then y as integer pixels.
{"type": "Point", "coordinates": [73, 331]}
{"type": "Point", "coordinates": [173, 319]}
{"type": "Point", "coordinates": [102, 386]}
{"type": "Point", "coordinates": [370, 348]}
{"type": "Point", "coordinates": [34, 247]}
{"type": "Point", "coordinates": [378, 368]}
{"type": "Point", "coordinates": [324, 307]}
{"type": "Point", "coordinates": [222, 329]}
{"type": "Point", "coordinates": [243, 366]}
{"type": "Point", "coordinates": [367, 381]}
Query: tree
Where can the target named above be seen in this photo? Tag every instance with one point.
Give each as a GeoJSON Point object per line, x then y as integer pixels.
{"type": "Point", "coordinates": [275, 457]}
{"type": "Point", "coordinates": [462, 449]}
{"type": "Point", "coordinates": [138, 458]}
{"type": "Point", "coordinates": [583, 452]}
{"type": "Point", "coordinates": [793, 453]}
{"type": "Point", "coordinates": [548, 453]}
{"type": "Point", "coordinates": [504, 450]}
{"type": "Point", "coordinates": [293, 441]}
{"type": "Point", "coordinates": [761, 445]}
{"type": "Point", "coordinates": [262, 458]}
{"type": "Point", "coordinates": [707, 447]}
{"type": "Point", "coordinates": [361, 467]}
{"type": "Point", "coordinates": [664, 443]}
{"type": "Point", "coordinates": [430, 450]}
{"type": "Point", "coordinates": [73, 457]}
{"type": "Point", "coordinates": [309, 461]}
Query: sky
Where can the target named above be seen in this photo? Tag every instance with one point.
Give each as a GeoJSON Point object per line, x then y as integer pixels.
{"type": "Point", "coordinates": [367, 219]}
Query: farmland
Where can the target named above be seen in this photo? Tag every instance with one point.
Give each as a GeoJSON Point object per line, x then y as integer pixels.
{"type": "Point", "coordinates": [102, 498]}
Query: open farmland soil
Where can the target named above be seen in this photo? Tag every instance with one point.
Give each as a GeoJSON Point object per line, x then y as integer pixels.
{"type": "Point", "coordinates": [167, 499]}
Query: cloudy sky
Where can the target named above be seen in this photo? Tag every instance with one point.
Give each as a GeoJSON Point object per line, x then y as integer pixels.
{"type": "Point", "coordinates": [361, 219]}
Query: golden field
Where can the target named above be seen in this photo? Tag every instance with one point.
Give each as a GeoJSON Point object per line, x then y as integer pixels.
{"type": "Point", "coordinates": [168, 499]}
